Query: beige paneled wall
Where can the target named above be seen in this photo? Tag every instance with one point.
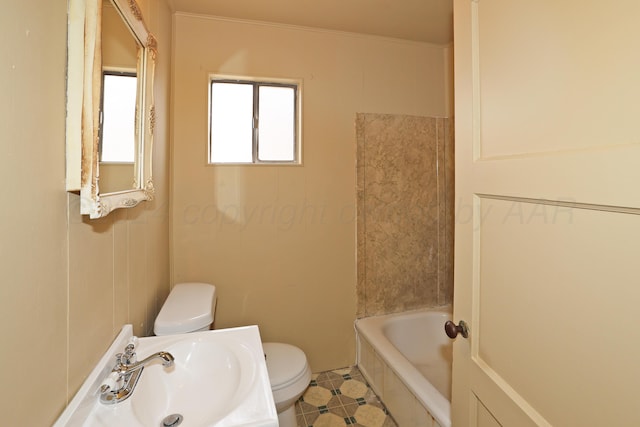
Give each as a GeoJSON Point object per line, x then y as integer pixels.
{"type": "Point", "coordinates": [33, 212]}
{"type": "Point", "coordinates": [119, 265]}
{"type": "Point", "coordinates": [68, 283]}
{"type": "Point", "coordinates": [280, 242]}
{"type": "Point", "coordinates": [405, 208]}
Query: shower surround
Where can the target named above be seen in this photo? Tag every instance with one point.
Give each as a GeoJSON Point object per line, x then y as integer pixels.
{"type": "Point", "coordinates": [405, 197]}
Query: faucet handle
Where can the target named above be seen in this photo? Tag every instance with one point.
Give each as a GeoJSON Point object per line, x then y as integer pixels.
{"type": "Point", "coordinates": [110, 383]}
{"type": "Point", "coordinates": [131, 346]}
{"type": "Point", "coordinates": [133, 341]}
{"type": "Point", "coordinates": [129, 355]}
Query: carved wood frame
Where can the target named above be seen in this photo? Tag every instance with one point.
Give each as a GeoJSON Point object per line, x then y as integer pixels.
{"type": "Point", "coordinates": [84, 79]}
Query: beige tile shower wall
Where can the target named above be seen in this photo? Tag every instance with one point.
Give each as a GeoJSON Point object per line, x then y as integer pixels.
{"type": "Point", "coordinates": [279, 241]}
{"type": "Point", "coordinates": [446, 206]}
{"type": "Point", "coordinates": [404, 230]}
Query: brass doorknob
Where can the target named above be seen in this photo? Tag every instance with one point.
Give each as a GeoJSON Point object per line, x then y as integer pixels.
{"type": "Point", "coordinates": [453, 330]}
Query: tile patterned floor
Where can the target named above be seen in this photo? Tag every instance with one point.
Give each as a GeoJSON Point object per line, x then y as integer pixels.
{"type": "Point", "coordinates": [341, 398]}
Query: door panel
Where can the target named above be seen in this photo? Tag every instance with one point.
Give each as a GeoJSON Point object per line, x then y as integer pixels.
{"type": "Point", "coordinates": [484, 417]}
{"type": "Point", "coordinates": [548, 212]}
{"type": "Point", "coordinates": [553, 294]}
{"type": "Point", "coordinates": [566, 76]}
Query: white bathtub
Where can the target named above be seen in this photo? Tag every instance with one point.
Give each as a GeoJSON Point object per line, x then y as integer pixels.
{"type": "Point", "coordinates": [406, 358]}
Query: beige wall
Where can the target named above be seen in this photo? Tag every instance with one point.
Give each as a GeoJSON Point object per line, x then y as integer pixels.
{"type": "Point", "coordinates": [279, 242]}
{"type": "Point", "coordinates": [405, 213]}
{"type": "Point", "coordinates": [63, 273]}
{"type": "Point", "coordinates": [119, 48]}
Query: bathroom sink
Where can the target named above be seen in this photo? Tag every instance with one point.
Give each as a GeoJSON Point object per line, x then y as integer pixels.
{"type": "Point", "coordinates": [218, 378]}
{"type": "Point", "coordinates": [208, 381]}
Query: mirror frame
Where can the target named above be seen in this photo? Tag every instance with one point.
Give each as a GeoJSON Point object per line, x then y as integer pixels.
{"type": "Point", "coordinates": [84, 86]}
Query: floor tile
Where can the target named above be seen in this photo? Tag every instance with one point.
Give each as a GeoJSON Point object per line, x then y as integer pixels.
{"type": "Point", "coordinates": [341, 398]}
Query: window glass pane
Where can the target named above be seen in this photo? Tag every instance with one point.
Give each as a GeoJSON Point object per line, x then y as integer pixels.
{"type": "Point", "coordinates": [231, 123]}
{"type": "Point", "coordinates": [276, 125]}
{"type": "Point", "coordinates": [118, 118]}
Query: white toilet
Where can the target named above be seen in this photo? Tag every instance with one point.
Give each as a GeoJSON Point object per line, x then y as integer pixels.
{"type": "Point", "coordinates": [190, 307]}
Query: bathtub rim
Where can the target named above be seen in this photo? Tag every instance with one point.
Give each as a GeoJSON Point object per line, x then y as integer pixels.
{"type": "Point", "coordinates": [371, 329]}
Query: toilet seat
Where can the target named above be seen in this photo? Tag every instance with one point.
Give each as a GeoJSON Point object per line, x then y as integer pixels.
{"type": "Point", "coordinates": [286, 364]}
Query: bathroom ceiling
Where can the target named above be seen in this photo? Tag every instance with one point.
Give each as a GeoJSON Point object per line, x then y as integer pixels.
{"type": "Point", "coordinates": [420, 20]}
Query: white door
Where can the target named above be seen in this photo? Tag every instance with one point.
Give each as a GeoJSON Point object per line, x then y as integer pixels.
{"type": "Point", "coordinates": [547, 245]}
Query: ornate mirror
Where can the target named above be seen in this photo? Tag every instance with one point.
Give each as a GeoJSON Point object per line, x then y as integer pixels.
{"type": "Point", "coordinates": [111, 61]}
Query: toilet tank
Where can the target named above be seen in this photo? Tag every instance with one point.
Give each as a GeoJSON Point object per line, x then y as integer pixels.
{"type": "Point", "coordinates": [190, 307]}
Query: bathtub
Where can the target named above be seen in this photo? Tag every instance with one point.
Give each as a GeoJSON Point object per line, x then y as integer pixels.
{"type": "Point", "coordinates": [406, 358]}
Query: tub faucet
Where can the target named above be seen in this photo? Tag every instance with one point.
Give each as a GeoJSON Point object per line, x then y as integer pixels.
{"type": "Point", "coordinates": [122, 380]}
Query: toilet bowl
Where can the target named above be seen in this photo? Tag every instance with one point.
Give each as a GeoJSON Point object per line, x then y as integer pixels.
{"type": "Point", "coordinates": [289, 374]}
{"type": "Point", "coordinates": [190, 307]}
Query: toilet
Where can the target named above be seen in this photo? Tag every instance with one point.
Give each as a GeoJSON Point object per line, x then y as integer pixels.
{"type": "Point", "coordinates": [190, 307]}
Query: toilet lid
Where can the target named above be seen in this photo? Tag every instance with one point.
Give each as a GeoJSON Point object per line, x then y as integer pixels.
{"type": "Point", "coordinates": [285, 363]}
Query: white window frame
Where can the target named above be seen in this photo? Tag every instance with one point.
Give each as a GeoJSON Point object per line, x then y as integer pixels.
{"type": "Point", "coordinates": [123, 72]}
{"type": "Point", "coordinates": [256, 82]}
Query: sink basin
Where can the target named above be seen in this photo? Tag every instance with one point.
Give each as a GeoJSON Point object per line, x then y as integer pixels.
{"type": "Point", "coordinates": [219, 378]}
{"type": "Point", "coordinates": [208, 381]}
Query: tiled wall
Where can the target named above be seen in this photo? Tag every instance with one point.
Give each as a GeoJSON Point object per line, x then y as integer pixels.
{"type": "Point", "coordinates": [405, 213]}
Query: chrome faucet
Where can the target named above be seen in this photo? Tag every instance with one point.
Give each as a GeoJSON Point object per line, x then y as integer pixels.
{"type": "Point", "coordinates": [122, 380]}
{"type": "Point", "coordinates": [127, 368]}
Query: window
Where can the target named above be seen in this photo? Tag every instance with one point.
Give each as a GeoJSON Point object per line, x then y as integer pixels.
{"type": "Point", "coordinates": [117, 130]}
{"type": "Point", "coordinates": [253, 122]}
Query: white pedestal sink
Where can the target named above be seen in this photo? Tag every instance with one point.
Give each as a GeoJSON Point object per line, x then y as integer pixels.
{"type": "Point", "coordinates": [219, 378]}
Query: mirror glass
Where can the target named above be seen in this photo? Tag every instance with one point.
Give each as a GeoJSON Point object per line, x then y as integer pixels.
{"type": "Point", "coordinates": [110, 112]}
{"type": "Point", "coordinates": [117, 103]}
